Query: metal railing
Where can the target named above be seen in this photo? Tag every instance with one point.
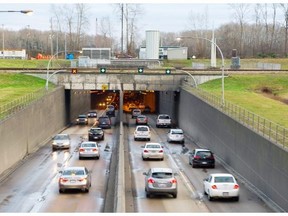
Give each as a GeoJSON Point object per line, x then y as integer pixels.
{"type": "Point", "coordinates": [12, 107]}
{"type": "Point", "coordinates": [264, 127]}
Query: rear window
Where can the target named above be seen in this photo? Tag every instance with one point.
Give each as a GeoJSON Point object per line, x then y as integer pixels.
{"type": "Point", "coordinates": [203, 154]}
{"type": "Point", "coordinates": [104, 120]}
{"type": "Point", "coordinates": [88, 145]}
{"type": "Point", "coordinates": [162, 175]}
{"type": "Point", "coordinates": [73, 172]}
{"type": "Point", "coordinates": [142, 129]}
{"type": "Point", "coordinates": [153, 146]}
{"type": "Point", "coordinates": [177, 132]}
{"type": "Point", "coordinates": [164, 117]}
{"type": "Point", "coordinates": [97, 131]}
{"type": "Point", "coordinates": [223, 179]}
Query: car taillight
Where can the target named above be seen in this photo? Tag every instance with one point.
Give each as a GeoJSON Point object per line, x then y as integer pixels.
{"type": "Point", "coordinates": [63, 180]}
{"type": "Point", "coordinates": [160, 151]}
{"type": "Point", "coordinates": [173, 181]}
{"type": "Point", "coordinates": [196, 157]}
{"type": "Point", "coordinates": [236, 186]}
{"type": "Point", "coordinates": [94, 150]}
{"type": "Point", "coordinates": [151, 181]}
{"type": "Point", "coordinates": [82, 179]}
{"type": "Point", "coordinates": [81, 150]}
{"type": "Point", "coordinates": [146, 151]}
{"type": "Point", "coordinates": [214, 187]}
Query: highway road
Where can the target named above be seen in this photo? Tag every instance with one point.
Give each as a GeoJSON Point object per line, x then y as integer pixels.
{"type": "Point", "coordinates": [33, 185]}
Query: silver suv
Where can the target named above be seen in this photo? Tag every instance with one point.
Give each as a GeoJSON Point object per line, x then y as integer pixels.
{"type": "Point", "coordinates": [160, 181]}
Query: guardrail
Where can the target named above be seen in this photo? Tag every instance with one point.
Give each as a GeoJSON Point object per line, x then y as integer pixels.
{"type": "Point", "coordinates": [10, 108]}
{"type": "Point", "coordinates": [264, 127]}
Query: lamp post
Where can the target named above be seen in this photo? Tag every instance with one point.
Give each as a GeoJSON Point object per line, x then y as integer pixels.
{"type": "Point", "coordinates": [222, 91]}
{"type": "Point", "coordinates": [48, 66]}
{"type": "Point", "coordinates": [3, 41]}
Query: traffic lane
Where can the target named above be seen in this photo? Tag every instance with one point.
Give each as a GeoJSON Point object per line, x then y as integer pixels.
{"type": "Point", "coordinates": [249, 201]}
{"type": "Point", "coordinates": [183, 202]}
{"type": "Point", "coordinates": [26, 189]}
{"type": "Point", "coordinates": [77, 201]}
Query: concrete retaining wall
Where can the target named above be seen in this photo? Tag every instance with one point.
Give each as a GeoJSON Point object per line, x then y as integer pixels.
{"type": "Point", "coordinates": [261, 164]}
{"type": "Point", "coordinates": [27, 130]}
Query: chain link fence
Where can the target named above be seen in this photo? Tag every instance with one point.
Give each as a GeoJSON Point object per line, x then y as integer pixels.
{"type": "Point", "coordinates": [12, 107]}
{"type": "Point", "coordinates": [266, 128]}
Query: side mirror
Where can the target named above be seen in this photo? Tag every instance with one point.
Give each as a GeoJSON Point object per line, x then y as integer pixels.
{"type": "Point", "coordinates": [205, 179]}
{"type": "Point", "coordinates": [144, 173]}
{"type": "Point", "coordinates": [60, 171]}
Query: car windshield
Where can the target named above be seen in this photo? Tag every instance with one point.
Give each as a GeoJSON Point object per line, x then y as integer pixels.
{"type": "Point", "coordinates": [82, 116]}
{"type": "Point", "coordinates": [222, 179]}
{"type": "Point", "coordinates": [91, 145]}
{"type": "Point", "coordinates": [61, 137]}
{"type": "Point", "coordinates": [162, 175]}
{"type": "Point", "coordinates": [142, 129]}
{"type": "Point", "coordinates": [73, 172]}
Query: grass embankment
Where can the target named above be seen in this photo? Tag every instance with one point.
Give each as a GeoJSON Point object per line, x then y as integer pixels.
{"type": "Point", "coordinates": [264, 95]}
{"type": "Point", "coordinates": [19, 63]}
{"type": "Point", "coordinates": [15, 85]}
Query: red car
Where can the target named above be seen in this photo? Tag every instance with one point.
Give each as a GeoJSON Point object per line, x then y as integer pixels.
{"type": "Point", "coordinates": [141, 119]}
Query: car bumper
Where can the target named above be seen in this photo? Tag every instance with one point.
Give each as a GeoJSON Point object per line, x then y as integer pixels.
{"type": "Point", "coordinates": [142, 137]}
{"type": "Point", "coordinates": [224, 193]}
{"type": "Point", "coordinates": [161, 190]}
{"type": "Point", "coordinates": [60, 146]}
{"type": "Point", "coordinates": [89, 155]}
{"type": "Point", "coordinates": [153, 156]}
{"type": "Point", "coordinates": [96, 137]}
{"type": "Point", "coordinates": [203, 163]}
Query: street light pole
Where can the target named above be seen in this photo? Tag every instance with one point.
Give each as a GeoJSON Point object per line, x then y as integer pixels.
{"type": "Point", "coordinates": [3, 41]}
{"type": "Point", "coordinates": [222, 90]}
{"type": "Point", "coordinates": [19, 11]}
{"type": "Point", "coordinates": [48, 66]}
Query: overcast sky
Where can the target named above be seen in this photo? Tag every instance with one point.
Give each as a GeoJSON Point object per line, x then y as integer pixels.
{"type": "Point", "coordinates": [165, 17]}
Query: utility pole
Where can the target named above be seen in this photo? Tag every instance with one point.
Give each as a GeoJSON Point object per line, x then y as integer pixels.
{"type": "Point", "coordinates": [122, 20]}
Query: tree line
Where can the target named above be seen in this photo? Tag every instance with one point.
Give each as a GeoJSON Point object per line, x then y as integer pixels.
{"type": "Point", "coordinates": [264, 36]}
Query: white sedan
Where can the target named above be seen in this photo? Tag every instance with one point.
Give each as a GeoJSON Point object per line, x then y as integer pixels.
{"type": "Point", "coordinates": [89, 149]}
{"type": "Point", "coordinates": [221, 185]}
{"type": "Point", "coordinates": [142, 132]}
{"type": "Point", "coordinates": [153, 151]}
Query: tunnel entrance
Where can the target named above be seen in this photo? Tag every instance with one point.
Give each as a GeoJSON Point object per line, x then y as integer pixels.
{"type": "Point", "coordinates": [144, 100]}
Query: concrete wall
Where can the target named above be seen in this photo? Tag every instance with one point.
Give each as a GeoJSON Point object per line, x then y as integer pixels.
{"type": "Point", "coordinates": [27, 130]}
{"type": "Point", "coordinates": [261, 164]}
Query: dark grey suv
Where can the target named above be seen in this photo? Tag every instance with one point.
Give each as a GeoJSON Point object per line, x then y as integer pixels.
{"type": "Point", "coordinates": [104, 122]}
{"type": "Point", "coordinates": [201, 158]}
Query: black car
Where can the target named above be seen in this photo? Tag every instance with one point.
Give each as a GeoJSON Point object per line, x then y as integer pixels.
{"type": "Point", "coordinates": [110, 110]}
{"type": "Point", "coordinates": [92, 114]}
{"type": "Point", "coordinates": [104, 122]}
{"type": "Point", "coordinates": [95, 133]}
{"type": "Point", "coordinates": [201, 158]}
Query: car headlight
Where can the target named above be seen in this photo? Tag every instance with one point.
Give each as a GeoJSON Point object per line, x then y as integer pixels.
{"type": "Point", "coordinates": [54, 143]}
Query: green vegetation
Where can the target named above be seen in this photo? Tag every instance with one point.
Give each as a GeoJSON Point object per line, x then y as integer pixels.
{"type": "Point", "coordinates": [19, 63]}
{"type": "Point", "coordinates": [14, 86]}
{"type": "Point", "coordinates": [264, 95]}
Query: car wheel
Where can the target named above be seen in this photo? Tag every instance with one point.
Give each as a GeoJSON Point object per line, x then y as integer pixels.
{"type": "Point", "coordinates": [148, 139]}
{"type": "Point", "coordinates": [193, 165]}
{"type": "Point", "coordinates": [80, 158]}
{"type": "Point", "coordinates": [61, 191]}
{"type": "Point", "coordinates": [162, 159]}
{"type": "Point", "coordinates": [135, 139]}
{"type": "Point", "coordinates": [174, 195]}
{"type": "Point", "coordinates": [97, 158]}
{"type": "Point", "coordinates": [157, 126]}
{"type": "Point", "coordinates": [236, 198]}
{"type": "Point", "coordinates": [148, 195]}
{"type": "Point", "coordinates": [213, 166]}
{"type": "Point", "coordinates": [143, 158]}
{"type": "Point", "coordinates": [209, 197]}
{"type": "Point", "coordinates": [87, 190]}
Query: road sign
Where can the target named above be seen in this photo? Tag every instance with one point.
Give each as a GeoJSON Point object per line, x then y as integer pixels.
{"type": "Point", "coordinates": [74, 71]}
{"type": "Point", "coordinates": [104, 87]}
{"type": "Point", "coordinates": [102, 70]}
{"type": "Point", "coordinates": [168, 71]}
{"type": "Point", "coordinates": [140, 70]}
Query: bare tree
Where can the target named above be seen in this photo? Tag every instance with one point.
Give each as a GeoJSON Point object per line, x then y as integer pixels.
{"type": "Point", "coordinates": [240, 11]}
{"type": "Point", "coordinates": [285, 11]}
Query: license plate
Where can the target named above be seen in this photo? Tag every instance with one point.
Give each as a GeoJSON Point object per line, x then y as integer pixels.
{"type": "Point", "coordinates": [161, 185]}
{"type": "Point", "coordinates": [204, 162]}
{"type": "Point", "coordinates": [225, 194]}
{"type": "Point", "coordinates": [72, 181]}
